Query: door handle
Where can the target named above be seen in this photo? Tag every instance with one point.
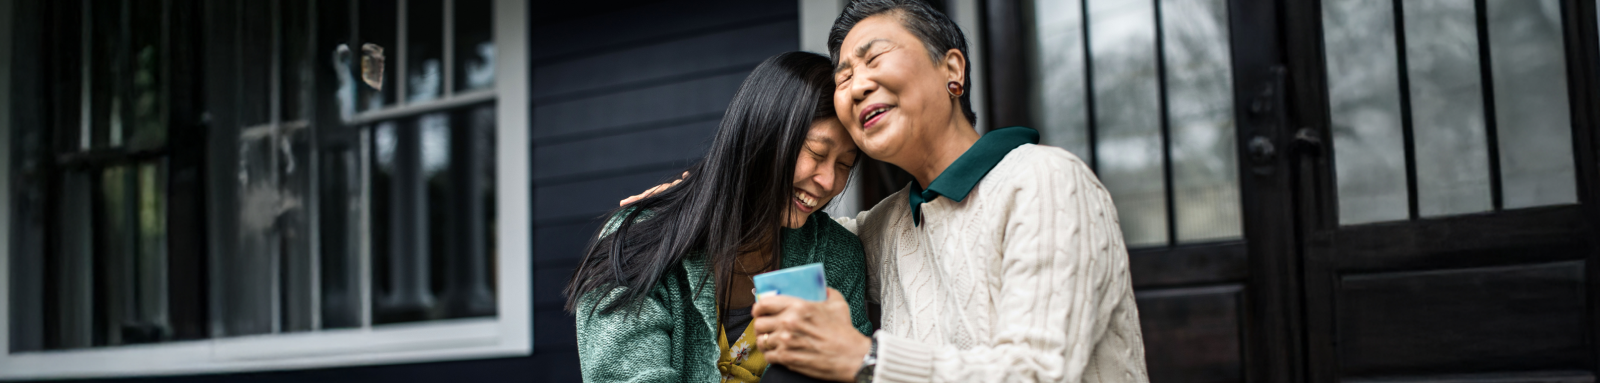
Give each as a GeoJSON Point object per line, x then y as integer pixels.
{"type": "Point", "coordinates": [1261, 150]}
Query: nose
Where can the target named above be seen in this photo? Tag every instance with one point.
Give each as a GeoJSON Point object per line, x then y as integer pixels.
{"type": "Point", "coordinates": [861, 86]}
{"type": "Point", "coordinates": [824, 178]}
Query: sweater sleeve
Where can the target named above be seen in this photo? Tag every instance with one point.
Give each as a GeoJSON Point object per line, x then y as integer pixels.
{"type": "Point", "coordinates": [1064, 272]}
{"type": "Point", "coordinates": [625, 346]}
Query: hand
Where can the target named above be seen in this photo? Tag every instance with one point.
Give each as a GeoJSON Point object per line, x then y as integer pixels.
{"type": "Point", "coordinates": [812, 338]}
{"type": "Point", "coordinates": [652, 191]}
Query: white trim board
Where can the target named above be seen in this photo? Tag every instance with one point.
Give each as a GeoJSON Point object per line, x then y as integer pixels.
{"type": "Point", "coordinates": [422, 342]}
{"type": "Point", "coordinates": [513, 185]}
{"type": "Point", "coordinates": [5, 174]}
{"type": "Point", "coordinates": [506, 335]}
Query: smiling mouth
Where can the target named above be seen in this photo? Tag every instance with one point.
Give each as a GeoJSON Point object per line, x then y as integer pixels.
{"type": "Point", "coordinates": [873, 114]}
{"type": "Point", "coordinates": [805, 200]}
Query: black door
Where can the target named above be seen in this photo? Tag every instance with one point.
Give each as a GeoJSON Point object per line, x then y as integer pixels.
{"type": "Point", "coordinates": [1447, 184]}
{"type": "Point", "coordinates": [1176, 105]}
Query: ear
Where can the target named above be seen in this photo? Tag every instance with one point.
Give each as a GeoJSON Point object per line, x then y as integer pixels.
{"type": "Point", "coordinates": [955, 66]}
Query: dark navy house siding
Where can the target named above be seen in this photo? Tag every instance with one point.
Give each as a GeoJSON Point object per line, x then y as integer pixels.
{"type": "Point", "coordinates": [623, 97]}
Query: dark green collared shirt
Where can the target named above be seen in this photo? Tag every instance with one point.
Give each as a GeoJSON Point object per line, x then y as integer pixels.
{"type": "Point", "coordinates": [958, 179]}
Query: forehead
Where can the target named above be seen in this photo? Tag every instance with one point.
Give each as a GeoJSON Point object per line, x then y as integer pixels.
{"type": "Point", "coordinates": [884, 26]}
{"type": "Point", "coordinates": [830, 131]}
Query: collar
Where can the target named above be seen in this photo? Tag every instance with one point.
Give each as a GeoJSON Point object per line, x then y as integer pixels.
{"type": "Point", "coordinates": [962, 175]}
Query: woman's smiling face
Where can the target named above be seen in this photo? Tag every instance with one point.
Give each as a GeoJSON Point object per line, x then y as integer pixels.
{"type": "Point", "coordinates": [889, 89]}
{"type": "Point", "coordinates": [821, 171]}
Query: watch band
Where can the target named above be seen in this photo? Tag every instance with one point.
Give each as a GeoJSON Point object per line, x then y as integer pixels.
{"type": "Point", "coordinates": [869, 363]}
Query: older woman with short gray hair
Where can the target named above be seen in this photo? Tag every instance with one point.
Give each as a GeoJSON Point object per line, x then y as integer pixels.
{"type": "Point", "coordinates": [1002, 262]}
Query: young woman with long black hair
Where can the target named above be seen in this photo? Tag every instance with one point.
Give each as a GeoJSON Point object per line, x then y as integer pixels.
{"type": "Point", "coordinates": [663, 294]}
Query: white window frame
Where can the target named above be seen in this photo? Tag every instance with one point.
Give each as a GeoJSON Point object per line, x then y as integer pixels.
{"type": "Point", "coordinates": [505, 335]}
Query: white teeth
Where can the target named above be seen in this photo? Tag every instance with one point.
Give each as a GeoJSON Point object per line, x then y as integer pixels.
{"type": "Point", "coordinates": [804, 200]}
{"type": "Point", "coordinates": [876, 112]}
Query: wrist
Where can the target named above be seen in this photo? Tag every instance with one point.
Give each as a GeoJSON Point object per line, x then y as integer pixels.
{"type": "Point", "coordinates": [864, 370]}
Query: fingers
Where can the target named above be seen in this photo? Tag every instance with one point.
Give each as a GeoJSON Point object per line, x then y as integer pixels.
{"type": "Point", "coordinates": [774, 305]}
{"type": "Point", "coordinates": [765, 325]}
{"type": "Point", "coordinates": [647, 193]}
{"type": "Point", "coordinates": [835, 296]}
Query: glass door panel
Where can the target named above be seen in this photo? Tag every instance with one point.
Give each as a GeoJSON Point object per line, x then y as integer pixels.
{"type": "Point", "coordinates": [1477, 121]}
{"type": "Point", "coordinates": [1150, 109]}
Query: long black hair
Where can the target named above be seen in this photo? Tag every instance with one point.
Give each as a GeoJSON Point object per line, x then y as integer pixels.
{"type": "Point", "coordinates": [734, 200]}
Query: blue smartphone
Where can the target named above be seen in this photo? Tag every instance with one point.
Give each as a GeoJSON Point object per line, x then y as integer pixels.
{"type": "Point", "coordinates": [804, 282]}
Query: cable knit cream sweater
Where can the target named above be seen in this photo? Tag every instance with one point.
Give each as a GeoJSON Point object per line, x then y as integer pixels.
{"type": "Point", "coordinates": [1025, 280]}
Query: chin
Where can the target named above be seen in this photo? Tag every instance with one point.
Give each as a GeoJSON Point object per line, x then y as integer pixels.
{"type": "Point", "coordinates": [880, 144]}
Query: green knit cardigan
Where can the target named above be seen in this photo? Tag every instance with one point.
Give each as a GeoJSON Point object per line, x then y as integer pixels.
{"type": "Point", "coordinates": [672, 337]}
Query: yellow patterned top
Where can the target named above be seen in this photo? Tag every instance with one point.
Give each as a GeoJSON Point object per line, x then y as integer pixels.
{"type": "Point", "coordinates": [742, 361]}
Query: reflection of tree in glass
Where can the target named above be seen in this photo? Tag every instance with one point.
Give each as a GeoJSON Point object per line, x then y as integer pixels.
{"type": "Point", "coordinates": [1059, 102]}
{"type": "Point", "coordinates": [1363, 93]}
{"type": "Point", "coordinates": [1447, 106]}
{"type": "Point", "coordinates": [1127, 116]}
{"type": "Point", "coordinates": [1201, 118]}
{"type": "Point", "coordinates": [1447, 119]}
{"type": "Point", "coordinates": [1531, 108]}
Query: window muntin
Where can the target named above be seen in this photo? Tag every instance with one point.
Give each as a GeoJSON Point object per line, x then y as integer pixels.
{"type": "Point", "coordinates": [1150, 109]}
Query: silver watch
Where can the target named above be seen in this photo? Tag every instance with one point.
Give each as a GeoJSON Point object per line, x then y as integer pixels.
{"type": "Point", "coordinates": [869, 363]}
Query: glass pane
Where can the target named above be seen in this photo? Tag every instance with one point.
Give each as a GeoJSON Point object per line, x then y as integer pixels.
{"type": "Point", "coordinates": [474, 44]}
{"type": "Point", "coordinates": [133, 234]}
{"type": "Point", "coordinates": [468, 204]}
{"type": "Point", "coordinates": [105, 102]}
{"type": "Point", "coordinates": [1200, 116]}
{"type": "Point", "coordinates": [377, 36]}
{"type": "Point", "coordinates": [247, 298]}
{"type": "Point", "coordinates": [1447, 119]}
{"type": "Point", "coordinates": [296, 308]}
{"type": "Point", "coordinates": [433, 248]}
{"type": "Point", "coordinates": [337, 82]}
{"type": "Point", "coordinates": [1126, 101]}
{"type": "Point", "coordinates": [1364, 101]}
{"type": "Point", "coordinates": [119, 247]}
{"type": "Point", "coordinates": [381, 214]}
{"type": "Point", "coordinates": [340, 214]}
{"type": "Point", "coordinates": [424, 50]}
{"type": "Point", "coordinates": [255, 53]}
{"type": "Point", "coordinates": [74, 268]}
{"type": "Point", "coordinates": [147, 125]}
{"type": "Point", "coordinates": [298, 66]}
{"type": "Point", "coordinates": [151, 323]}
{"type": "Point", "coordinates": [403, 272]}
{"type": "Point", "coordinates": [1060, 104]}
{"type": "Point", "coordinates": [436, 156]}
{"type": "Point", "coordinates": [1530, 102]}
